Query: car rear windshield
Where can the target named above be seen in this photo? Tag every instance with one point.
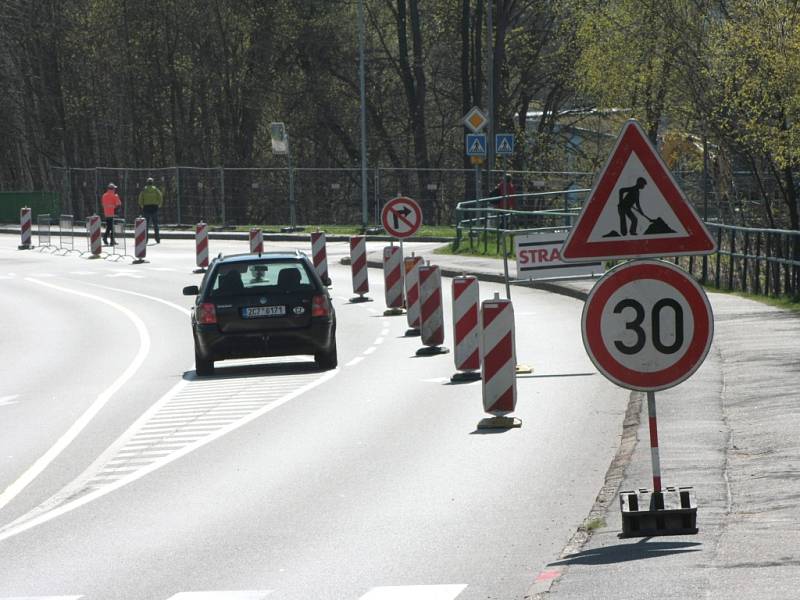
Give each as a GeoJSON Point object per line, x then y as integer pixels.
{"type": "Point", "coordinates": [260, 278]}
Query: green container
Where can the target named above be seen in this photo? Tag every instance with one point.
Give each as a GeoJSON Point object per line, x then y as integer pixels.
{"type": "Point", "coordinates": [39, 202]}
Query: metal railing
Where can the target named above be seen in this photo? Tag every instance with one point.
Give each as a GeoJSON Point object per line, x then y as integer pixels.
{"type": "Point", "coordinates": [44, 223]}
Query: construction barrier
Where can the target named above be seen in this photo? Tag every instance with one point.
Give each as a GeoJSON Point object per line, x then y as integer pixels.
{"type": "Point", "coordinates": [119, 247]}
{"type": "Point", "coordinates": [43, 226]}
{"type": "Point", "coordinates": [93, 233]}
{"type": "Point", "coordinates": [393, 280]}
{"type": "Point", "coordinates": [201, 245]}
{"type": "Point", "coordinates": [411, 265]}
{"type": "Point", "coordinates": [358, 267]}
{"type": "Point", "coordinates": [66, 233]}
{"type": "Point", "coordinates": [25, 228]}
{"type": "Point", "coordinates": [498, 369]}
{"type": "Point", "coordinates": [466, 333]}
{"type": "Point", "coordinates": [256, 241]}
{"type": "Point", "coordinates": [431, 313]}
{"type": "Point", "coordinates": [139, 240]}
{"type": "Point", "coordinates": [320, 255]}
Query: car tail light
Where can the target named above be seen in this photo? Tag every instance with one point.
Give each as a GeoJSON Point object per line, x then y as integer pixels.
{"type": "Point", "coordinates": [206, 313]}
{"type": "Point", "coordinates": [320, 306]}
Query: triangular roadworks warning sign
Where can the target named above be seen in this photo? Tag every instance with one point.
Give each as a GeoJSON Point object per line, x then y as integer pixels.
{"type": "Point", "coordinates": [636, 209]}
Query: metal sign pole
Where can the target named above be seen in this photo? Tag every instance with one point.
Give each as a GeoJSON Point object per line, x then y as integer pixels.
{"type": "Point", "coordinates": [651, 411]}
{"type": "Point", "coordinates": [292, 212]}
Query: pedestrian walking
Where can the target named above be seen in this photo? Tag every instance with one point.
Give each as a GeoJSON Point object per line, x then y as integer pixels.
{"type": "Point", "coordinates": [150, 200]}
{"type": "Point", "coordinates": [111, 203]}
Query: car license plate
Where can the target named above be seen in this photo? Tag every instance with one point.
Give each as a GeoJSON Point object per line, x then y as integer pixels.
{"type": "Point", "coordinates": [254, 312]}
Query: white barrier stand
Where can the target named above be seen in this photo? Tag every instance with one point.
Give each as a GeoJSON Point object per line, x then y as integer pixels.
{"type": "Point", "coordinates": [319, 254]}
{"type": "Point", "coordinates": [25, 228]}
{"type": "Point", "coordinates": [95, 243]}
{"type": "Point", "coordinates": [498, 368]}
{"type": "Point", "coordinates": [431, 313]}
{"type": "Point", "coordinates": [139, 240]}
{"type": "Point", "coordinates": [411, 265]}
{"type": "Point", "coordinates": [393, 280]}
{"type": "Point", "coordinates": [201, 245]}
{"type": "Point", "coordinates": [256, 241]}
{"type": "Point", "coordinates": [358, 268]}
{"type": "Point", "coordinates": [466, 333]}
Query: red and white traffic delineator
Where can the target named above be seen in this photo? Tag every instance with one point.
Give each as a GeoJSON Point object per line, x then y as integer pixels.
{"type": "Point", "coordinates": [393, 280]}
{"type": "Point", "coordinates": [139, 240]}
{"type": "Point", "coordinates": [25, 228]}
{"type": "Point", "coordinates": [256, 241]}
{"type": "Point", "coordinates": [411, 266]}
{"type": "Point", "coordinates": [466, 333]}
{"type": "Point", "coordinates": [358, 267]}
{"type": "Point", "coordinates": [201, 245]}
{"type": "Point", "coordinates": [431, 313]}
{"type": "Point", "coordinates": [498, 369]}
{"type": "Point", "coordinates": [319, 254]}
{"type": "Point", "coordinates": [93, 227]}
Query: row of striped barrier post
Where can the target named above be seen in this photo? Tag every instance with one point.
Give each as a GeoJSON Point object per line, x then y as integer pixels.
{"type": "Point", "coordinates": [25, 228]}
{"type": "Point", "coordinates": [256, 241]}
{"type": "Point", "coordinates": [411, 266]}
{"type": "Point", "coordinates": [358, 268]}
{"type": "Point", "coordinates": [393, 280]}
{"type": "Point", "coordinates": [93, 236]}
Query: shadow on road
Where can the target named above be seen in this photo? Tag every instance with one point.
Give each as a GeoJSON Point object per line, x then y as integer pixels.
{"type": "Point", "coordinates": [628, 552]}
{"type": "Point", "coordinates": [245, 371]}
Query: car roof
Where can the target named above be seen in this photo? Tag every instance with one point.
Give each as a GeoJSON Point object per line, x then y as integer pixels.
{"type": "Point", "coordinates": [263, 256]}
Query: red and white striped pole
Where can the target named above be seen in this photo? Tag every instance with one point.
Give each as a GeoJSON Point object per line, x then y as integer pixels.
{"type": "Point", "coordinates": [393, 280]}
{"type": "Point", "coordinates": [498, 369]}
{"type": "Point", "coordinates": [201, 245]}
{"type": "Point", "coordinates": [651, 411]}
{"type": "Point", "coordinates": [411, 265]}
{"type": "Point", "coordinates": [256, 241]}
{"type": "Point", "coordinates": [320, 254]}
{"type": "Point", "coordinates": [431, 313]}
{"type": "Point", "coordinates": [358, 267]}
{"type": "Point", "coordinates": [466, 333]}
{"type": "Point", "coordinates": [139, 240]}
{"type": "Point", "coordinates": [95, 245]}
{"type": "Point", "coordinates": [25, 228]}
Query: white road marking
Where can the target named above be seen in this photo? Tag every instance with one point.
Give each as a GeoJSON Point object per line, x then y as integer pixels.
{"type": "Point", "coordinates": [369, 350]}
{"type": "Point", "coordinates": [83, 272]}
{"type": "Point", "coordinates": [355, 361]}
{"type": "Point", "coordinates": [122, 274]}
{"type": "Point", "coordinates": [43, 598]}
{"type": "Point", "coordinates": [9, 400]}
{"type": "Point", "coordinates": [378, 341]}
{"type": "Point", "coordinates": [415, 592]}
{"type": "Point", "coordinates": [48, 457]}
{"type": "Point", "coordinates": [437, 380]}
{"type": "Point", "coordinates": [171, 269]}
{"type": "Point", "coordinates": [96, 482]}
{"type": "Point", "coordinates": [246, 595]}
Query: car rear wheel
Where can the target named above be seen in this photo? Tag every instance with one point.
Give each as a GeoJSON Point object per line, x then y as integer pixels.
{"type": "Point", "coordinates": [203, 366]}
{"type": "Point", "coordinates": [327, 360]}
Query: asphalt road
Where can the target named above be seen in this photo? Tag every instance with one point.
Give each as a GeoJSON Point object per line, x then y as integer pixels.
{"type": "Point", "coordinates": [126, 476]}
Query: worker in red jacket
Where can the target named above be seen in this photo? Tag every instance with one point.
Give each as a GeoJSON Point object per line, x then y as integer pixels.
{"type": "Point", "coordinates": [111, 203]}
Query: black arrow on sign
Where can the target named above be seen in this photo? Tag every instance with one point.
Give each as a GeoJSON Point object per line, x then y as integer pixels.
{"type": "Point", "coordinates": [405, 211]}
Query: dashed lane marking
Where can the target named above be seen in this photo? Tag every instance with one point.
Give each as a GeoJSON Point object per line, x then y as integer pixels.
{"type": "Point", "coordinates": [369, 350]}
{"type": "Point", "coordinates": [9, 400]}
{"type": "Point", "coordinates": [248, 595]}
{"type": "Point", "coordinates": [355, 361]}
{"type": "Point", "coordinates": [415, 592]}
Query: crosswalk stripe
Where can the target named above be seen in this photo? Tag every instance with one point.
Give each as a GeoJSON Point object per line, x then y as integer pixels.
{"type": "Point", "coordinates": [245, 595]}
{"type": "Point", "coordinates": [415, 592]}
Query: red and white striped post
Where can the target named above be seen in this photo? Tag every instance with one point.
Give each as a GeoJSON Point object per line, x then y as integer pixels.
{"type": "Point", "coordinates": [358, 267]}
{"type": "Point", "coordinates": [466, 333]}
{"type": "Point", "coordinates": [25, 228]}
{"type": "Point", "coordinates": [201, 245]}
{"type": "Point", "coordinates": [393, 280]}
{"type": "Point", "coordinates": [431, 313]}
{"type": "Point", "coordinates": [256, 241]}
{"type": "Point", "coordinates": [651, 411]}
{"type": "Point", "coordinates": [498, 369]}
{"type": "Point", "coordinates": [95, 245]}
{"type": "Point", "coordinates": [139, 240]}
{"type": "Point", "coordinates": [320, 254]}
{"type": "Point", "coordinates": [411, 266]}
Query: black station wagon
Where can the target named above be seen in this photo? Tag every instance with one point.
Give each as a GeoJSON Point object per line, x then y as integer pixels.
{"type": "Point", "coordinates": [258, 305]}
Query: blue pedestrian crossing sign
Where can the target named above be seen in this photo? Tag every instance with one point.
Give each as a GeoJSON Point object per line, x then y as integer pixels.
{"type": "Point", "coordinates": [476, 144]}
{"type": "Point", "coordinates": [504, 143]}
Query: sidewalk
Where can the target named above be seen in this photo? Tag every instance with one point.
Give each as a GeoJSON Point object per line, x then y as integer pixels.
{"type": "Point", "coordinates": [731, 432]}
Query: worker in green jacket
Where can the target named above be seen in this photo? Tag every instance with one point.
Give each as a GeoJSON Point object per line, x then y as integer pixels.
{"type": "Point", "coordinates": [150, 200]}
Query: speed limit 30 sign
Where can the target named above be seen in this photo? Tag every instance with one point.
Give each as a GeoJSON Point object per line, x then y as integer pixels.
{"type": "Point", "coordinates": [647, 325]}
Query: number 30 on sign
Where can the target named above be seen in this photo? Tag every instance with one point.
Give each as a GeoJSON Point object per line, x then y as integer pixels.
{"type": "Point", "coordinates": [647, 325]}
